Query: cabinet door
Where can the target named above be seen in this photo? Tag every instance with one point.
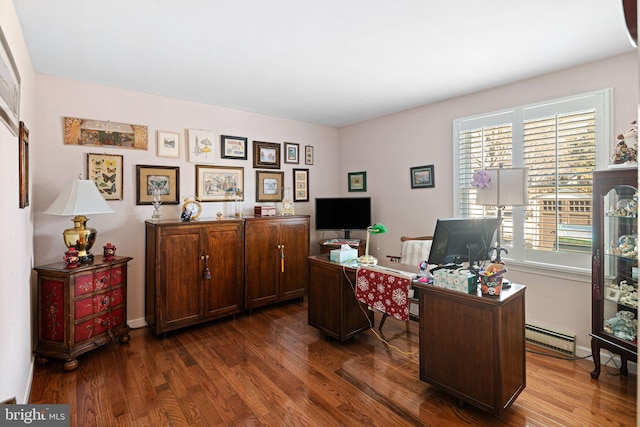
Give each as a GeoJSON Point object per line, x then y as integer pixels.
{"type": "Point", "coordinates": [179, 289]}
{"type": "Point", "coordinates": [294, 236]}
{"type": "Point", "coordinates": [223, 292]}
{"type": "Point", "coordinates": [262, 263]}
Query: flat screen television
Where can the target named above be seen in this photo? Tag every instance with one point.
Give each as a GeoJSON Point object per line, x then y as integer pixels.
{"type": "Point", "coordinates": [458, 240]}
{"type": "Point", "coordinates": [343, 214]}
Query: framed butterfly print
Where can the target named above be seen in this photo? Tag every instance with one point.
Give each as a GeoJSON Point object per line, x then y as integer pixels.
{"type": "Point", "coordinates": [164, 178]}
{"type": "Point", "coordinates": [106, 171]}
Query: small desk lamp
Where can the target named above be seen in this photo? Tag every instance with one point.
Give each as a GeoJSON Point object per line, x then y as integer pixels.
{"type": "Point", "coordinates": [366, 258]}
{"type": "Point", "coordinates": [507, 187]}
{"type": "Point", "coordinates": [79, 197]}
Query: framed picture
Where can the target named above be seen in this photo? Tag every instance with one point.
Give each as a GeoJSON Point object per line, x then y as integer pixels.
{"type": "Point", "coordinates": [101, 133]}
{"type": "Point", "coordinates": [168, 144]}
{"type": "Point", "coordinates": [106, 171]}
{"type": "Point", "coordinates": [308, 155]}
{"type": "Point", "coordinates": [219, 184]}
{"type": "Point", "coordinates": [422, 177]}
{"type": "Point", "coordinates": [164, 178]}
{"type": "Point", "coordinates": [233, 147]}
{"type": "Point", "coordinates": [23, 155]}
{"type": "Point", "coordinates": [357, 181]}
{"type": "Point", "coordinates": [291, 152]}
{"type": "Point", "coordinates": [201, 146]}
{"type": "Point", "coordinates": [266, 155]}
{"type": "Point", "coordinates": [301, 185]}
{"type": "Point", "coordinates": [269, 186]}
{"type": "Point", "coordinates": [10, 87]}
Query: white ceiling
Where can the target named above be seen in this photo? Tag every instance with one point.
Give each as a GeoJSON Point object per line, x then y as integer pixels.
{"type": "Point", "coordinates": [331, 62]}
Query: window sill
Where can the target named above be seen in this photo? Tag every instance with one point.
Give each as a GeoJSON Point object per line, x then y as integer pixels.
{"type": "Point", "coordinates": [550, 270]}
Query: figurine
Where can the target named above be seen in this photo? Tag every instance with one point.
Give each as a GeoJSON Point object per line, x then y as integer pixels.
{"type": "Point", "coordinates": [109, 252]}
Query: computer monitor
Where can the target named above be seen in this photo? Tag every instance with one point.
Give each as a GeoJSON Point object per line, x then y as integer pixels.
{"type": "Point", "coordinates": [458, 240]}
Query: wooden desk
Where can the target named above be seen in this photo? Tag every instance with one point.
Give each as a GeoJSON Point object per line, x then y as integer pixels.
{"type": "Point", "coordinates": [473, 347]}
{"type": "Point", "coordinates": [332, 303]}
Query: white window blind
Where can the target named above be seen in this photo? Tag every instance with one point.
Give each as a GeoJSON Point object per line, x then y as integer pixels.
{"type": "Point", "coordinates": [561, 142]}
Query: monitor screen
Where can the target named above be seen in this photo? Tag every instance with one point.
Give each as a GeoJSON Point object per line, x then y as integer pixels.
{"type": "Point", "coordinates": [457, 240]}
{"type": "Point", "coordinates": [343, 213]}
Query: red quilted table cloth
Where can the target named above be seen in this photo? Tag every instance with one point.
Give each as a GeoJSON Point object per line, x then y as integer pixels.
{"type": "Point", "coordinates": [385, 291]}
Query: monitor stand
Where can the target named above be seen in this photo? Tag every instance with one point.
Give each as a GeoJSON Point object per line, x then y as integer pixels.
{"type": "Point", "coordinates": [347, 234]}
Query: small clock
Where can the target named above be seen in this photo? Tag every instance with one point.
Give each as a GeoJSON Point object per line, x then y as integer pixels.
{"type": "Point", "coordinates": [193, 206]}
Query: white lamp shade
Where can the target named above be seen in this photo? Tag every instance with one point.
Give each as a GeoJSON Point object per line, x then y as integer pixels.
{"type": "Point", "coordinates": [79, 197]}
{"type": "Point", "coordinates": [508, 187]}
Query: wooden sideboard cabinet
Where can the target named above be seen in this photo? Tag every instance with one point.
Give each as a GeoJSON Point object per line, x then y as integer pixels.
{"type": "Point", "coordinates": [179, 292]}
{"type": "Point", "coordinates": [276, 250]}
{"type": "Point", "coordinates": [333, 307]}
{"type": "Point", "coordinates": [473, 347]}
{"type": "Point", "coordinates": [80, 309]}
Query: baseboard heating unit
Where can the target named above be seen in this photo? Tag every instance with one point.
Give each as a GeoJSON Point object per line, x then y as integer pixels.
{"type": "Point", "coordinates": [552, 340]}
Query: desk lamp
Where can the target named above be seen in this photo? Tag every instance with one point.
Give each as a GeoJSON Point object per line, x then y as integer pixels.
{"type": "Point", "coordinates": [79, 197]}
{"type": "Point", "coordinates": [506, 187]}
{"type": "Point", "coordinates": [366, 258]}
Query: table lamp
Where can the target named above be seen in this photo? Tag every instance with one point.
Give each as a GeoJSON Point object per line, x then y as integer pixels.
{"type": "Point", "coordinates": [366, 258]}
{"type": "Point", "coordinates": [506, 187]}
{"type": "Point", "coordinates": [79, 197]}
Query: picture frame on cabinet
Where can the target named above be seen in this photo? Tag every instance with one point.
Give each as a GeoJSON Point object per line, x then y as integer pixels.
{"type": "Point", "coordinates": [357, 181]}
{"type": "Point", "coordinates": [308, 154]}
{"type": "Point", "coordinates": [219, 183]}
{"type": "Point", "coordinates": [422, 177]}
{"type": "Point", "coordinates": [106, 171]}
{"type": "Point", "coordinates": [233, 147]}
{"type": "Point", "coordinates": [301, 185]}
{"type": "Point", "coordinates": [201, 146]}
{"type": "Point", "coordinates": [23, 155]}
{"type": "Point", "coordinates": [266, 155]}
{"type": "Point", "coordinates": [164, 178]}
{"type": "Point", "coordinates": [269, 186]}
{"type": "Point", "coordinates": [292, 154]}
{"type": "Point", "coordinates": [168, 144]}
{"type": "Point", "coordinates": [10, 95]}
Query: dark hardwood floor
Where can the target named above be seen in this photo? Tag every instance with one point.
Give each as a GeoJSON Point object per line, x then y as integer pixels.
{"type": "Point", "coordinates": [270, 368]}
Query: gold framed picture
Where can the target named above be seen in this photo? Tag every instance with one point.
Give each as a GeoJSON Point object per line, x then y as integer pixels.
{"type": "Point", "coordinates": [219, 183]}
{"type": "Point", "coordinates": [164, 178]}
{"type": "Point", "coordinates": [266, 155]}
{"type": "Point", "coordinates": [24, 166]}
{"type": "Point", "coordinates": [269, 186]}
{"type": "Point", "coordinates": [106, 171]}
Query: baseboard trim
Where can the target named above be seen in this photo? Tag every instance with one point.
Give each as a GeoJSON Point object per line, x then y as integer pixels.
{"type": "Point", "coordinates": [137, 323]}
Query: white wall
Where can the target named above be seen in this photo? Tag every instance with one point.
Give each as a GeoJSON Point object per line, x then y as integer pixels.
{"type": "Point", "coordinates": [56, 163]}
{"type": "Point", "coordinates": [387, 147]}
{"type": "Point", "coordinates": [16, 252]}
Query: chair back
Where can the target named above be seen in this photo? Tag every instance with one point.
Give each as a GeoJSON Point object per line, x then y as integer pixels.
{"type": "Point", "coordinates": [415, 249]}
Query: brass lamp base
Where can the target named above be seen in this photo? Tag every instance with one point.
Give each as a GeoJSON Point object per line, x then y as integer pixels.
{"type": "Point", "coordinates": [80, 238]}
{"type": "Point", "coordinates": [367, 259]}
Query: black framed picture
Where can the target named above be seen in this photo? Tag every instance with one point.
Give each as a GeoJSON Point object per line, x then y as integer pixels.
{"type": "Point", "coordinates": [233, 147]}
{"type": "Point", "coordinates": [357, 181]}
{"type": "Point", "coordinates": [422, 177]}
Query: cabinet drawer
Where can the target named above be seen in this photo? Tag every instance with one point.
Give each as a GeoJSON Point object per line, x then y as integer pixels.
{"type": "Point", "coordinates": [83, 284]}
{"type": "Point", "coordinates": [96, 326]}
{"type": "Point", "coordinates": [98, 303]}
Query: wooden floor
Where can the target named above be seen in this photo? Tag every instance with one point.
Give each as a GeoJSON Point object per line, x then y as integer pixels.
{"type": "Point", "coordinates": [270, 368]}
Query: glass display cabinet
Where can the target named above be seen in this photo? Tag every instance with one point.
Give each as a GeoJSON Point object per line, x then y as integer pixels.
{"type": "Point", "coordinates": [615, 266]}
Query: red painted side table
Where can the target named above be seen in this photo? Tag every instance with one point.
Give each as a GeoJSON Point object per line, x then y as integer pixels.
{"type": "Point", "coordinates": [80, 309]}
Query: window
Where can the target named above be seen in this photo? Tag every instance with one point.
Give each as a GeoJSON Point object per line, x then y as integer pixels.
{"type": "Point", "coordinates": [561, 142]}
